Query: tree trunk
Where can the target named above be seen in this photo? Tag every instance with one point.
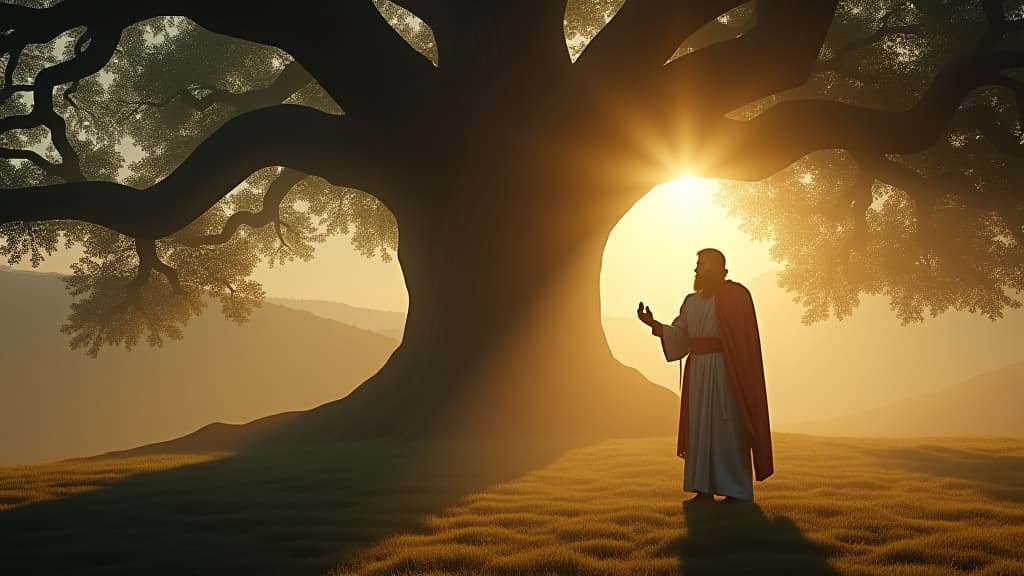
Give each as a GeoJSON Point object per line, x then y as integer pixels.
{"type": "Point", "coordinates": [503, 334]}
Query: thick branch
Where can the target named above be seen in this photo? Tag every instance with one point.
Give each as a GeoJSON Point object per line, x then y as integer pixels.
{"type": "Point", "coordinates": [776, 138]}
{"type": "Point", "coordinates": [916, 185]}
{"type": "Point", "coordinates": [40, 25]}
{"type": "Point", "coordinates": [1013, 217]}
{"type": "Point", "coordinates": [103, 42]}
{"type": "Point", "coordinates": [50, 168]}
{"type": "Point", "coordinates": [280, 235]}
{"type": "Point", "coordinates": [777, 54]}
{"type": "Point", "coordinates": [856, 199]}
{"type": "Point", "coordinates": [486, 52]}
{"type": "Point", "coordinates": [513, 36]}
{"type": "Point", "coordinates": [355, 29]}
{"type": "Point", "coordinates": [149, 260]}
{"type": "Point", "coordinates": [713, 32]}
{"type": "Point", "coordinates": [644, 34]}
{"type": "Point", "coordinates": [928, 189]}
{"type": "Point", "coordinates": [291, 79]}
{"type": "Point", "coordinates": [998, 24]}
{"type": "Point", "coordinates": [983, 119]}
{"type": "Point", "coordinates": [924, 190]}
{"type": "Point", "coordinates": [836, 63]}
{"type": "Point", "coordinates": [11, 89]}
{"type": "Point", "coordinates": [395, 72]}
{"type": "Point", "coordinates": [9, 86]}
{"type": "Point", "coordinates": [292, 136]}
{"type": "Point", "coordinates": [369, 68]}
{"type": "Point", "coordinates": [268, 214]}
{"type": "Point", "coordinates": [394, 78]}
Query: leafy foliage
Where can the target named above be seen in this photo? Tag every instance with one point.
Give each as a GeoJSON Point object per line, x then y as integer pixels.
{"type": "Point", "coordinates": [31, 239]}
{"type": "Point", "coordinates": [167, 88]}
{"type": "Point", "coordinates": [952, 240]}
{"type": "Point", "coordinates": [934, 230]}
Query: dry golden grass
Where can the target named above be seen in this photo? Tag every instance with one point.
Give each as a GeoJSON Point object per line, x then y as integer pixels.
{"type": "Point", "coordinates": [835, 506]}
{"type": "Point", "coordinates": [840, 506]}
{"type": "Point", "coordinates": [30, 483]}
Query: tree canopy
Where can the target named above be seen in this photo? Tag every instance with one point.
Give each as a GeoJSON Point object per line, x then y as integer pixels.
{"type": "Point", "coordinates": [877, 143]}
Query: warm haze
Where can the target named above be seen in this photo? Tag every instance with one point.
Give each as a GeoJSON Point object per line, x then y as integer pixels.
{"type": "Point", "coordinates": [649, 255]}
{"type": "Point", "coordinates": [815, 374]}
{"type": "Point", "coordinates": [356, 288]}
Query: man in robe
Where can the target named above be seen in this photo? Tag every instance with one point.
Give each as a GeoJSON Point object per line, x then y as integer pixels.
{"type": "Point", "coordinates": [723, 416]}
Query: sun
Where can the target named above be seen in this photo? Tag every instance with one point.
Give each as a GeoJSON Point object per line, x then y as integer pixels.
{"type": "Point", "coordinates": [688, 189]}
{"type": "Point", "coordinates": [687, 192]}
{"type": "Point", "coordinates": [652, 249]}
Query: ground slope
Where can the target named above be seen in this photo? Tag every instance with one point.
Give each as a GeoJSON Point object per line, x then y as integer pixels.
{"type": "Point", "coordinates": [944, 505]}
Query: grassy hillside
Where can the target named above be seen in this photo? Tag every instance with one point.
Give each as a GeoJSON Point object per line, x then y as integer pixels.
{"type": "Point", "coordinates": [988, 404]}
{"type": "Point", "coordinates": [835, 506]}
{"type": "Point", "coordinates": [59, 403]}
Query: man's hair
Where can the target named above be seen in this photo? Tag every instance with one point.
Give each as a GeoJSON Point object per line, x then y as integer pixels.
{"type": "Point", "coordinates": [714, 254]}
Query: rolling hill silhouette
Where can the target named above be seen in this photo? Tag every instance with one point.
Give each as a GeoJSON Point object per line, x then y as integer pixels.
{"type": "Point", "coordinates": [987, 405]}
{"type": "Point", "coordinates": [293, 355]}
{"type": "Point", "coordinates": [58, 403]}
{"type": "Point", "coordinates": [817, 372]}
{"type": "Point", "coordinates": [386, 322]}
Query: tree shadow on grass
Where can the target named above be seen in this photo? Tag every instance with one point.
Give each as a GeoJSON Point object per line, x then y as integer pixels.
{"type": "Point", "coordinates": [737, 538]}
{"type": "Point", "coordinates": [999, 476]}
{"type": "Point", "coordinates": [299, 511]}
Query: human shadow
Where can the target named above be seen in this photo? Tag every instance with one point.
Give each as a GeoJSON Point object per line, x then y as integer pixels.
{"type": "Point", "coordinates": [1000, 476]}
{"type": "Point", "coordinates": [279, 511]}
{"type": "Point", "coordinates": [737, 538]}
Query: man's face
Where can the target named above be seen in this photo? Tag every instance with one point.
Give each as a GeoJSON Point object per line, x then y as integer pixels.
{"type": "Point", "coordinates": [707, 273]}
{"type": "Point", "coordinates": [702, 266]}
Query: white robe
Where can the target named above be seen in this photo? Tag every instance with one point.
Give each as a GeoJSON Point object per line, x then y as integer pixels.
{"type": "Point", "coordinates": [718, 449]}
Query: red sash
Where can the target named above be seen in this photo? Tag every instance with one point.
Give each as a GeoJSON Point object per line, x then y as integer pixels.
{"type": "Point", "coordinates": [705, 345]}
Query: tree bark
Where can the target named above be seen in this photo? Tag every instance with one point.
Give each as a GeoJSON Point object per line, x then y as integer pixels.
{"type": "Point", "coordinates": [503, 335]}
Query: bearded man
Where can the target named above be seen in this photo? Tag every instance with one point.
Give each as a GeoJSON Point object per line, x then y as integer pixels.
{"type": "Point", "coordinates": [723, 416]}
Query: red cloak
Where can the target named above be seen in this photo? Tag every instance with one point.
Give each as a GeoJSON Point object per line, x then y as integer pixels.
{"type": "Point", "coordinates": [741, 349]}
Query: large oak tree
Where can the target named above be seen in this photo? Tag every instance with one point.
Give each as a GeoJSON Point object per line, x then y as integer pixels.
{"type": "Point", "coordinates": [493, 146]}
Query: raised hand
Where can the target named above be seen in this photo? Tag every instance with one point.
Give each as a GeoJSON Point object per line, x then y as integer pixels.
{"type": "Point", "coordinates": [645, 315]}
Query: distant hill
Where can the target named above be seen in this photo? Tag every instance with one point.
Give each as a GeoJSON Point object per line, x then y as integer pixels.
{"type": "Point", "coordinates": [384, 322]}
{"type": "Point", "coordinates": [813, 372]}
{"type": "Point", "coordinates": [988, 404]}
{"type": "Point", "coordinates": [58, 403]}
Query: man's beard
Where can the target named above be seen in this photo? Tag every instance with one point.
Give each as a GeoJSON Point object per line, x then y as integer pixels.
{"type": "Point", "coordinates": [707, 284]}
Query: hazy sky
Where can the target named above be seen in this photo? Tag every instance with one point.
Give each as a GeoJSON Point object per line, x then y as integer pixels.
{"type": "Point", "coordinates": [650, 256]}
{"type": "Point", "coordinates": [815, 372]}
{"type": "Point", "coordinates": [652, 252]}
{"type": "Point", "coordinates": [341, 274]}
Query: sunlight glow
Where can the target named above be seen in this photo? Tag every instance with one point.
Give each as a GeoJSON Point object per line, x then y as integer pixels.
{"type": "Point", "coordinates": [650, 256]}
{"type": "Point", "coordinates": [650, 253]}
{"type": "Point", "coordinates": [688, 192]}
